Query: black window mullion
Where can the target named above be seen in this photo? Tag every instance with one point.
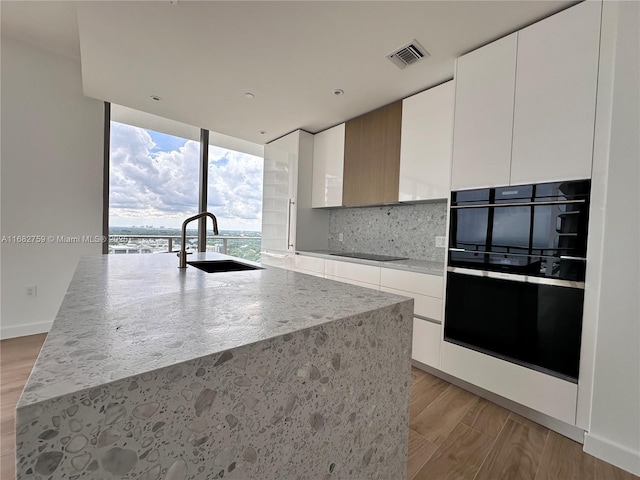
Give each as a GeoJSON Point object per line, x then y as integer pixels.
{"type": "Point", "coordinates": [204, 180]}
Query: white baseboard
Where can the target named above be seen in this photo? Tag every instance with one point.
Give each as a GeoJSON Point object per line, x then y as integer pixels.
{"type": "Point", "coordinates": [13, 331]}
{"type": "Point", "coordinates": [612, 453]}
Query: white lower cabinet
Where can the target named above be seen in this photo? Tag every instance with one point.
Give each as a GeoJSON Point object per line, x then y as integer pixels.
{"type": "Point", "coordinates": [423, 306]}
{"type": "Point", "coordinates": [544, 393]}
{"type": "Point", "coordinates": [427, 292]}
{"type": "Point", "coordinates": [277, 259]}
{"type": "Point", "coordinates": [309, 265]}
{"type": "Point", "coordinates": [427, 337]}
{"type": "Point", "coordinates": [353, 272]}
{"type": "Point", "coordinates": [351, 281]}
{"type": "Point", "coordinates": [422, 283]}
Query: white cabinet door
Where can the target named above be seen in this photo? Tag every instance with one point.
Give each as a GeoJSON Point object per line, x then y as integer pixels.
{"type": "Point", "coordinates": [328, 166]}
{"type": "Point", "coordinates": [288, 221]}
{"type": "Point", "coordinates": [423, 305]}
{"type": "Point", "coordinates": [485, 82]}
{"type": "Point", "coordinates": [555, 97]}
{"type": "Point", "coordinates": [425, 146]}
{"type": "Point", "coordinates": [279, 193]}
{"type": "Point", "coordinates": [422, 283]}
{"type": "Point", "coordinates": [426, 342]}
{"type": "Point", "coordinates": [544, 393]}
{"type": "Point", "coordinates": [309, 265]}
{"type": "Point", "coordinates": [277, 259]}
{"type": "Point", "coordinates": [363, 274]}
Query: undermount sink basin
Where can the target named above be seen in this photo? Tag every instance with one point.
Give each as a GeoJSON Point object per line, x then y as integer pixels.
{"type": "Point", "coordinates": [212, 266]}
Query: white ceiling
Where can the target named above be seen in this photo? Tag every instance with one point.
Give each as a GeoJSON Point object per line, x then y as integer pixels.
{"type": "Point", "coordinates": [201, 57]}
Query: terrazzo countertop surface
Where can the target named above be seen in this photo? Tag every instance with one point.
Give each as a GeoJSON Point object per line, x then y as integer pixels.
{"type": "Point", "coordinates": [412, 265]}
{"type": "Point", "coordinates": [130, 314]}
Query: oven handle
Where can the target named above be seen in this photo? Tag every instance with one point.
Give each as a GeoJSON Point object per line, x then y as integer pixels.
{"type": "Point", "coordinates": [521, 204]}
{"type": "Point", "coordinates": [508, 254]}
{"type": "Point", "coordinates": [517, 278]}
{"type": "Point", "coordinates": [568, 257]}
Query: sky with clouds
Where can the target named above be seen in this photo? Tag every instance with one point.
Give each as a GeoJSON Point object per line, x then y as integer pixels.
{"type": "Point", "coordinates": [154, 181]}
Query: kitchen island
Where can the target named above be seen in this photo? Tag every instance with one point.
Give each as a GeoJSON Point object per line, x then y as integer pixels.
{"type": "Point", "coordinates": [152, 372]}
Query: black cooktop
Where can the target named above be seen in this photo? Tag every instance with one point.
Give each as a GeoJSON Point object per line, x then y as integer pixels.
{"type": "Point", "coordinates": [369, 256]}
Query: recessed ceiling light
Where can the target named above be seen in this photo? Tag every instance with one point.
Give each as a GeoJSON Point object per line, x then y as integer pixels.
{"type": "Point", "coordinates": [337, 92]}
{"type": "Point", "coordinates": [249, 95]}
{"type": "Point", "coordinates": [156, 98]}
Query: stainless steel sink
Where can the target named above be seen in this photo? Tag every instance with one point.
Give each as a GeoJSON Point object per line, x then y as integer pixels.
{"type": "Point", "coordinates": [213, 266]}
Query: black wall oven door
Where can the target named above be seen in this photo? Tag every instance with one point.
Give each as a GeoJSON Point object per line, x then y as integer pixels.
{"type": "Point", "coordinates": [537, 325]}
{"type": "Point", "coordinates": [515, 278]}
{"type": "Point", "coordinates": [536, 230]}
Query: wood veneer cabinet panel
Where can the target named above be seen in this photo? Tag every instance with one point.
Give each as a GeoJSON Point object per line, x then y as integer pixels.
{"type": "Point", "coordinates": [372, 157]}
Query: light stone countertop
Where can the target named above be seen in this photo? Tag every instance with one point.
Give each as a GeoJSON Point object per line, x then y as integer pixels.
{"type": "Point", "coordinates": [412, 265]}
{"type": "Point", "coordinates": [130, 314]}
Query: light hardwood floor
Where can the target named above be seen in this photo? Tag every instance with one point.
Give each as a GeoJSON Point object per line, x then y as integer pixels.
{"type": "Point", "coordinates": [453, 434]}
{"type": "Point", "coordinates": [17, 356]}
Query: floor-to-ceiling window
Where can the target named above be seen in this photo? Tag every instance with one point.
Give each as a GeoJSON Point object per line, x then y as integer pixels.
{"type": "Point", "coordinates": [154, 185]}
{"type": "Point", "coordinates": [234, 195]}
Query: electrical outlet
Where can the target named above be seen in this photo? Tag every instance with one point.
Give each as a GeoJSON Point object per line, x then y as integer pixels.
{"type": "Point", "coordinates": [30, 291]}
{"type": "Point", "coordinates": [441, 242]}
{"type": "Point", "coordinates": [340, 237]}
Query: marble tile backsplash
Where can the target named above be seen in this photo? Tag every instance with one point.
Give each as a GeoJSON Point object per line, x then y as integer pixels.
{"type": "Point", "coordinates": [408, 230]}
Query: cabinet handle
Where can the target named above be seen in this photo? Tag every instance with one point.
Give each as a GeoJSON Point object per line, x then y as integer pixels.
{"type": "Point", "coordinates": [427, 319]}
{"type": "Point", "coordinates": [274, 255]}
{"type": "Point", "coordinates": [289, 244]}
{"type": "Point", "coordinates": [520, 204]}
{"type": "Point", "coordinates": [567, 257]}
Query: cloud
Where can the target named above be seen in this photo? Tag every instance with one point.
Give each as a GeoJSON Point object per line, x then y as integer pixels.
{"type": "Point", "coordinates": [147, 184]}
{"type": "Point", "coordinates": [235, 184]}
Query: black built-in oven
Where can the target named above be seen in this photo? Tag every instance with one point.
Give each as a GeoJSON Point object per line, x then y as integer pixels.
{"type": "Point", "coordinates": [516, 269]}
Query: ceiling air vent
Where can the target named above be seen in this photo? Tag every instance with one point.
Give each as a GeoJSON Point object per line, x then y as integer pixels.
{"type": "Point", "coordinates": [408, 55]}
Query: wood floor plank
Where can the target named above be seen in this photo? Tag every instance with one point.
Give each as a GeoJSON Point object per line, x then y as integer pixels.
{"type": "Point", "coordinates": [459, 457]}
{"type": "Point", "coordinates": [516, 453]}
{"type": "Point", "coordinates": [606, 471]}
{"type": "Point", "coordinates": [526, 422]}
{"type": "Point", "coordinates": [486, 417]}
{"type": "Point", "coordinates": [417, 375]}
{"type": "Point", "coordinates": [424, 392]}
{"type": "Point", "coordinates": [563, 459]}
{"type": "Point", "coordinates": [438, 420]}
{"type": "Point", "coordinates": [420, 450]}
{"type": "Point", "coordinates": [7, 466]}
{"type": "Point", "coordinates": [17, 356]}
{"type": "Point", "coordinates": [21, 348]}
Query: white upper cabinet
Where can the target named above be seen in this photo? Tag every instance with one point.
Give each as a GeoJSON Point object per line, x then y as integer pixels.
{"type": "Point", "coordinates": [328, 167]}
{"type": "Point", "coordinates": [555, 96]}
{"type": "Point", "coordinates": [485, 83]}
{"type": "Point", "coordinates": [525, 104]}
{"type": "Point", "coordinates": [425, 148]}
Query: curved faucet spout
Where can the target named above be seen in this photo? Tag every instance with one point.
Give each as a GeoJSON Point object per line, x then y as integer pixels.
{"type": "Point", "coordinates": [182, 254]}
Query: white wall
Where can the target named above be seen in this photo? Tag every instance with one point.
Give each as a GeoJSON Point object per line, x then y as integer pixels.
{"type": "Point", "coordinates": [51, 184]}
{"type": "Point", "coordinates": [614, 433]}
